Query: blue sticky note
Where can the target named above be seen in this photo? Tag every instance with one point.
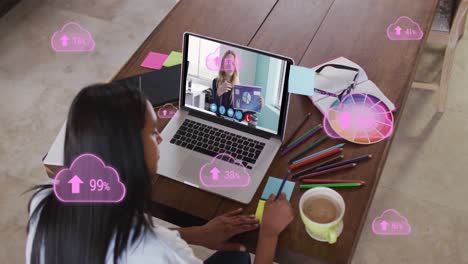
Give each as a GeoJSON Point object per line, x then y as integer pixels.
{"type": "Point", "coordinates": [301, 80]}
{"type": "Point", "coordinates": [273, 186]}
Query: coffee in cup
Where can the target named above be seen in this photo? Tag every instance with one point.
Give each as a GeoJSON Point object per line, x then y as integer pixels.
{"type": "Point", "coordinates": [322, 210]}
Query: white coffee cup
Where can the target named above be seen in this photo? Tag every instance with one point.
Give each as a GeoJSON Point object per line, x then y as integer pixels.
{"type": "Point", "coordinates": [324, 232]}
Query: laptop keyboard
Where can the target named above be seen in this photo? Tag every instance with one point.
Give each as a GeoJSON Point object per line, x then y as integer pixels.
{"type": "Point", "coordinates": [213, 141]}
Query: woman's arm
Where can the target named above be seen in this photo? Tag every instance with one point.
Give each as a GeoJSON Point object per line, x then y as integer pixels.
{"type": "Point", "coordinates": [216, 232]}
{"type": "Point", "coordinates": [266, 247]}
{"type": "Point", "coordinates": [191, 235]}
{"type": "Point", "coordinates": [276, 217]}
{"type": "Point", "coordinates": [224, 88]}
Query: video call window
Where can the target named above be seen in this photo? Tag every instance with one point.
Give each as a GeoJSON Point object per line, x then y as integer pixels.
{"type": "Point", "coordinates": [235, 84]}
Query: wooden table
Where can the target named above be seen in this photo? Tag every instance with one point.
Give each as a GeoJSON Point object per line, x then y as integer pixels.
{"type": "Point", "coordinates": [311, 32]}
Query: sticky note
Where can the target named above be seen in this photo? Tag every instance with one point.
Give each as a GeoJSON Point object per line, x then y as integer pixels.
{"type": "Point", "coordinates": [301, 80]}
{"type": "Point", "coordinates": [273, 186]}
{"type": "Point", "coordinates": [259, 212]}
{"type": "Point", "coordinates": [173, 59]}
{"type": "Point", "coordinates": [154, 60]}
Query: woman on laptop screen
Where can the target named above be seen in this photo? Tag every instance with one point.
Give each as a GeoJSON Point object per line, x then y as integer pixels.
{"type": "Point", "coordinates": [118, 125]}
{"type": "Point", "coordinates": [223, 89]}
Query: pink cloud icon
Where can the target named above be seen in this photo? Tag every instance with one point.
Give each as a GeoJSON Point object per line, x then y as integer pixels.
{"type": "Point", "coordinates": [224, 171]}
{"type": "Point", "coordinates": [167, 111]}
{"type": "Point", "coordinates": [88, 180]}
{"type": "Point", "coordinates": [391, 223]}
{"type": "Point", "coordinates": [404, 28]}
{"type": "Point", "coordinates": [214, 62]}
{"type": "Point", "coordinates": [72, 38]}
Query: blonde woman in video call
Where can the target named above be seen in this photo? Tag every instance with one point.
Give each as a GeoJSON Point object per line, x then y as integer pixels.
{"type": "Point", "coordinates": [228, 76]}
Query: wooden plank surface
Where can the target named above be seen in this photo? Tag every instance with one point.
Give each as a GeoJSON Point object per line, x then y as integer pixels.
{"type": "Point", "coordinates": [360, 35]}
{"type": "Point", "coordinates": [311, 32]}
{"type": "Point", "coordinates": [209, 18]}
{"type": "Point", "coordinates": [356, 30]}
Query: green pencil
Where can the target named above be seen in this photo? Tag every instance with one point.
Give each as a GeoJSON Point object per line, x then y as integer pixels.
{"type": "Point", "coordinates": [305, 134]}
{"type": "Point", "coordinates": [313, 145]}
{"type": "Point", "coordinates": [332, 185]}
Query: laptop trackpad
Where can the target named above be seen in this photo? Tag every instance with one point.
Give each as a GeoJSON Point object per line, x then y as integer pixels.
{"type": "Point", "coordinates": [191, 169]}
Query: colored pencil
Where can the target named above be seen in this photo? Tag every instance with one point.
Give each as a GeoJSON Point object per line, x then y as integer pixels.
{"type": "Point", "coordinates": [310, 170]}
{"type": "Point", "coordinates": [318, 173]}
{"type": "Point", "coordinates": [331, 185]}
{"type": "Point", "coordinates": [315, 158]}
{"type": "Point", "coordinates": [297, 129]}
{"type": "Point", "coordinates": [282, 184]}
{"type": "Point", "coordinates": [302, 136]}
{"type": "Point", "coordinates": [311, 181]}
{"type": "Point", "coordinates": [318, 153]}
{"type": "Point", "coordinates": [344, 162]}
{"type": "Point", "coordinates": [305, 137]}
{"type": "Point", "coordinates": [313, 145]}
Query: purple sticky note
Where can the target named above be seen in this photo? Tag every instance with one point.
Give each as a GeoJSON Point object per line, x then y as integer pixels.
{"type": "Point", "coordinates": [154, 60]}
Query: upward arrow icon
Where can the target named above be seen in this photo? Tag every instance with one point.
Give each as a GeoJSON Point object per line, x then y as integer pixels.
{"type": "Point", "coordinates": [75, 184]}
{"type": "Point", "coordinates": [398, 30]}
{"type": "Point", "coordinates": [214, 173]}
{"type": "Point", "coordinates": [64, 40]}
{"type": "Point", "coordinates": [384, 225]}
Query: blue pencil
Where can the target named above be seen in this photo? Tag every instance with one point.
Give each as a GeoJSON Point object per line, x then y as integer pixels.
{"type": "Point", "coordinates": [282, 184]}
{"type": "Point", "coordinates": [318, 153]}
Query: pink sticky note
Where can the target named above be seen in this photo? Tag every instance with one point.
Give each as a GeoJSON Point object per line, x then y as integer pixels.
{"type": "Point", "coordinates": [154, 60]}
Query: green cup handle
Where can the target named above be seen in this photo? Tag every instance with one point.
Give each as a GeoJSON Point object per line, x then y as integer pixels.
{"type": "Point", "coordinates": [332, 235]}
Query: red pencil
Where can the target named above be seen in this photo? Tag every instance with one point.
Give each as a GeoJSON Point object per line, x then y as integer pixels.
{"type": "Point", "coordinates": [331, 181]}
{"type": "Point", "coordinates": [314, 159]}
{"type": "Point", "coordinates": [347, 166]}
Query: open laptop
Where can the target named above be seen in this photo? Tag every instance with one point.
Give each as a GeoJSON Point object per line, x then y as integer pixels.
{"type": "Point", "coordinates": [212, 124]}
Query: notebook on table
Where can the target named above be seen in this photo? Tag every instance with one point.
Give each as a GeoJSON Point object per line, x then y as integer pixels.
{"type": "Point", "coordinates": [159, 86]}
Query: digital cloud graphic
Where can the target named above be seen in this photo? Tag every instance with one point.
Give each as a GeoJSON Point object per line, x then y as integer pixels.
{"type": "Point", "coordinates": [88, 180]}
{"type": "Point", "coordinates": [219, 172]}
{"type": "Point", "coordinates": [404, 28]}
{"type": "Point", "coordinates": [72, 38]}
{"type": "Point", "coordinates": [359, 118]}
{"type": "Point", "coordinates": [391, 223]}
{"type": "Point", "coordinates": [213, 62]}
{"type": "Point", "coordinates": [167, 111]}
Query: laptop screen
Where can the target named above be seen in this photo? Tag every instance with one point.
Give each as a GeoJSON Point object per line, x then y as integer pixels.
{"type": "Point", "coordinates": [234, 83]}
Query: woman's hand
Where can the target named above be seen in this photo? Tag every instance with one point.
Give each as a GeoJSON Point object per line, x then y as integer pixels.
{"type": "Point", "coordinates": [224, 88]}
{"type": "Point", "coordinates": [276, 216]}
{"type": "Point", "coordinates": [216, 232]}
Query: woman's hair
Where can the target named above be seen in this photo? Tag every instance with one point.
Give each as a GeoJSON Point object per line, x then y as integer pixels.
{"type": "Point", "coordinates": [106, 120]}
{"type": "Point", "coordinates": [222, 74]}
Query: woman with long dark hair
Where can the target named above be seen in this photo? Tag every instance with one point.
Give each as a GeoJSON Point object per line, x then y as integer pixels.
{"type": "Point", "coordinates": [118, 124]}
